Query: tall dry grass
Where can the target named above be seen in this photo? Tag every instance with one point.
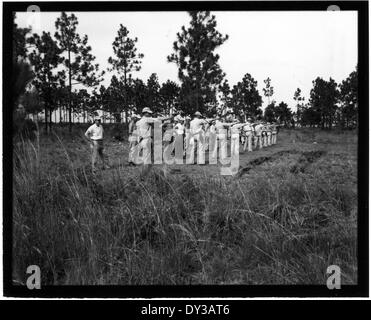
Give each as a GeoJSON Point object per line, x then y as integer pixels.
{"type": "Point", "coordinates": [274, 225]}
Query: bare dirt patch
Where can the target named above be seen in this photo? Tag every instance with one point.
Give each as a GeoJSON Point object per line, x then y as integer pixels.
{"type": "Point", "coordinates": [306, 158]}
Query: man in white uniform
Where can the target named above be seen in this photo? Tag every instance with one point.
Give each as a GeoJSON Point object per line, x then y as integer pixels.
{"type": "Point", "coordinates": [274, 133]}
{"type": "Point", "coordinates": [221, 129]}
{"type": "Point", "coordinates": [133, 139]}
{"type": "Point", "coordinates": [258, 135]}
{"type": "Point", "coordinates": [269, 133]}
{"type": "Point", "coordinates": [197, 136]}
{"type": "Point", "coordinates": [179, 141]}
{"type": "Point", "coordinates": [213, 143]}
{"type": "Point", "coordinates": [248, 132]}
{"type": "Point", "coordinates": [235, 138]}
{"type": "Point", "coordinates": [187, 133]}
{"type": "Point", "coordinates": [179, 125]}
{"type": "Point", "coordinates": [94, 134]}
{"type": "Point", "coordinates": [144, 131]}
{"type": "Point", "coordinates": [236, 133]}
{"type": "Point", "coordinates": [264, 134]}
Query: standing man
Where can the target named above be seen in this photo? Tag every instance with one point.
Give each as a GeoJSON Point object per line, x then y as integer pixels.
{"type": "Point", "coordinates": [235, 135]}
{"type": "Point", "coordinates": [179, 125]}
{"type": "Point", "coordinates": [221, 128]}
{"type": "Point", "coordinates": [269, 134]}
{"type": "Point", "coordinates": [197, 136]}
{"type": "Point", "coordinates": [187, 133]}
{"type": "Point", "coordinates": [133, 139]}
{"type": "Point", "coordinates": [213, 147]}
{"type": "Point", "coordinates": [248, 131]}
{"type": "Point", "coordinates": [206, 133]}
{"type": "Point", "coordinates": [264, 134]}
{"type": "Point", "coordinates": [274, 133]}
{"type": "Point", "coordinates": [258, 135]}
{"type": "Point", "coordinates": [94, 135]}
{"type": "Point", "coordinates": [235, 138]}
{"type": "Point", "coordinates": [179, 140]}
{"type": "Point", "coordinates": [144, 133]}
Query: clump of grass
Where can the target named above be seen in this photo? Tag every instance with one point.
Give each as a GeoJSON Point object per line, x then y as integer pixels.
{"type": "Point", "coordinates": [115, 228]}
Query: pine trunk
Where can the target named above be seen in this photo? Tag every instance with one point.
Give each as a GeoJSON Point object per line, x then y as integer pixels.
{"type": "Point", "coordinates": [50, 120]}
{"type": "Point", "coordinates": [46, 118]}
{"type": "Point", "coordinates": [69, 92]}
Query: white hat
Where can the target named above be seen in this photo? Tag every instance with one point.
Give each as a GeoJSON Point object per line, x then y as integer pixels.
{"type": "Point", "coordinates": [197, 113]}
{"type": "Point", "coordinates": [146, 110]}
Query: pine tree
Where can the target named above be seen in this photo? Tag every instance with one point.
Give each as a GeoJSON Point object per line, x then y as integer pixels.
{"type": "Point", "coordinates": [349, 100]}
{"type": "Point", "coordinates": [22, 73]}
{"type": "Point", "coordinates": [198, 67]}
{"type": "Point", "coordinates": [246, 99]}
{"type": "Point", "coordinates": [112, 98]}
{"type": "Point", "coordinates": [19, 40]}
{"type": "Point", "coordinates": [225, 97]}
{"type": "Point", "coordinates": [284, 114]}
{"type": "Point", "coordinates": [153, 93]}
{"type": "Point", "coordinates": [323, 100]}
{"type": "Point", "coordinates": [45, 58]}
{"type": "Point", "coordinates": [169, 96]}
{"type": "Point", "coordinates": [138, 95]}
{"type": "Point", "coordinates": [299, 104]}
{"type": "Point", "coordinates": [126, 61]}
{"type": "Point", "coordinates": [270, 112]}
{"type": "Point", "coordinates": [268, 90]}
{"type": "Point", "coordinates": [79, 60]}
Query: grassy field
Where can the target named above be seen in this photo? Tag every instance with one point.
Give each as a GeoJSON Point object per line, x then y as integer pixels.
{"type": "Point", "coordinates": [289, 214]}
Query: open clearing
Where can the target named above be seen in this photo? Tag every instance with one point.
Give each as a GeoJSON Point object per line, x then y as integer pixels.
{"type": "Point", "coordinates": [289, 213]}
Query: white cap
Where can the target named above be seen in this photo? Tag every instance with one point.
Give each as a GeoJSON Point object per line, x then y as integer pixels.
{"type": "Point", "coordinates": [197, 113]}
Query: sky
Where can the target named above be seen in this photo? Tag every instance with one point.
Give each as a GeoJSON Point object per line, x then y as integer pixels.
{"type": "Point", "coordinates": [292, 48]}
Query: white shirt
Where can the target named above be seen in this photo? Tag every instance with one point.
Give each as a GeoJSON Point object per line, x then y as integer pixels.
{"type": "Point", "coordinates": [95, 132]}
{"type": "Point", "coordinates": [168, 134]}
{"type": "Point", "coordinates": [196, 125]}
{"type": "Point", "coordinates": [258, 129]}
{"type": "Point", "coordinates": [144, 127]}
{"type": "Point", "coordinates": [247, 127]}
{"type": "Point", "coordinates": [179, 128]}
{"type": "Point", "coordinates": [235, 129]}
{"type": "Point", "coordinates": [220, 126]}
{"type": "Point", "coordinates": [212, 128]}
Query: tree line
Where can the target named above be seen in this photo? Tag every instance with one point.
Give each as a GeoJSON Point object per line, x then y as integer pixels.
{"type": "Point", "coordinates": [58, 73]}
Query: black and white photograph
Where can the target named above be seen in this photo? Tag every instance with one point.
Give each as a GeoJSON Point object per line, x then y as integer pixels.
{"type": "Point", "coordinates": [186, 147]}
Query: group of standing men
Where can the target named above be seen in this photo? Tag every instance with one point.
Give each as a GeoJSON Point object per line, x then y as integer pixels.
{"type": "Point", "coordinates": [199, 134]}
